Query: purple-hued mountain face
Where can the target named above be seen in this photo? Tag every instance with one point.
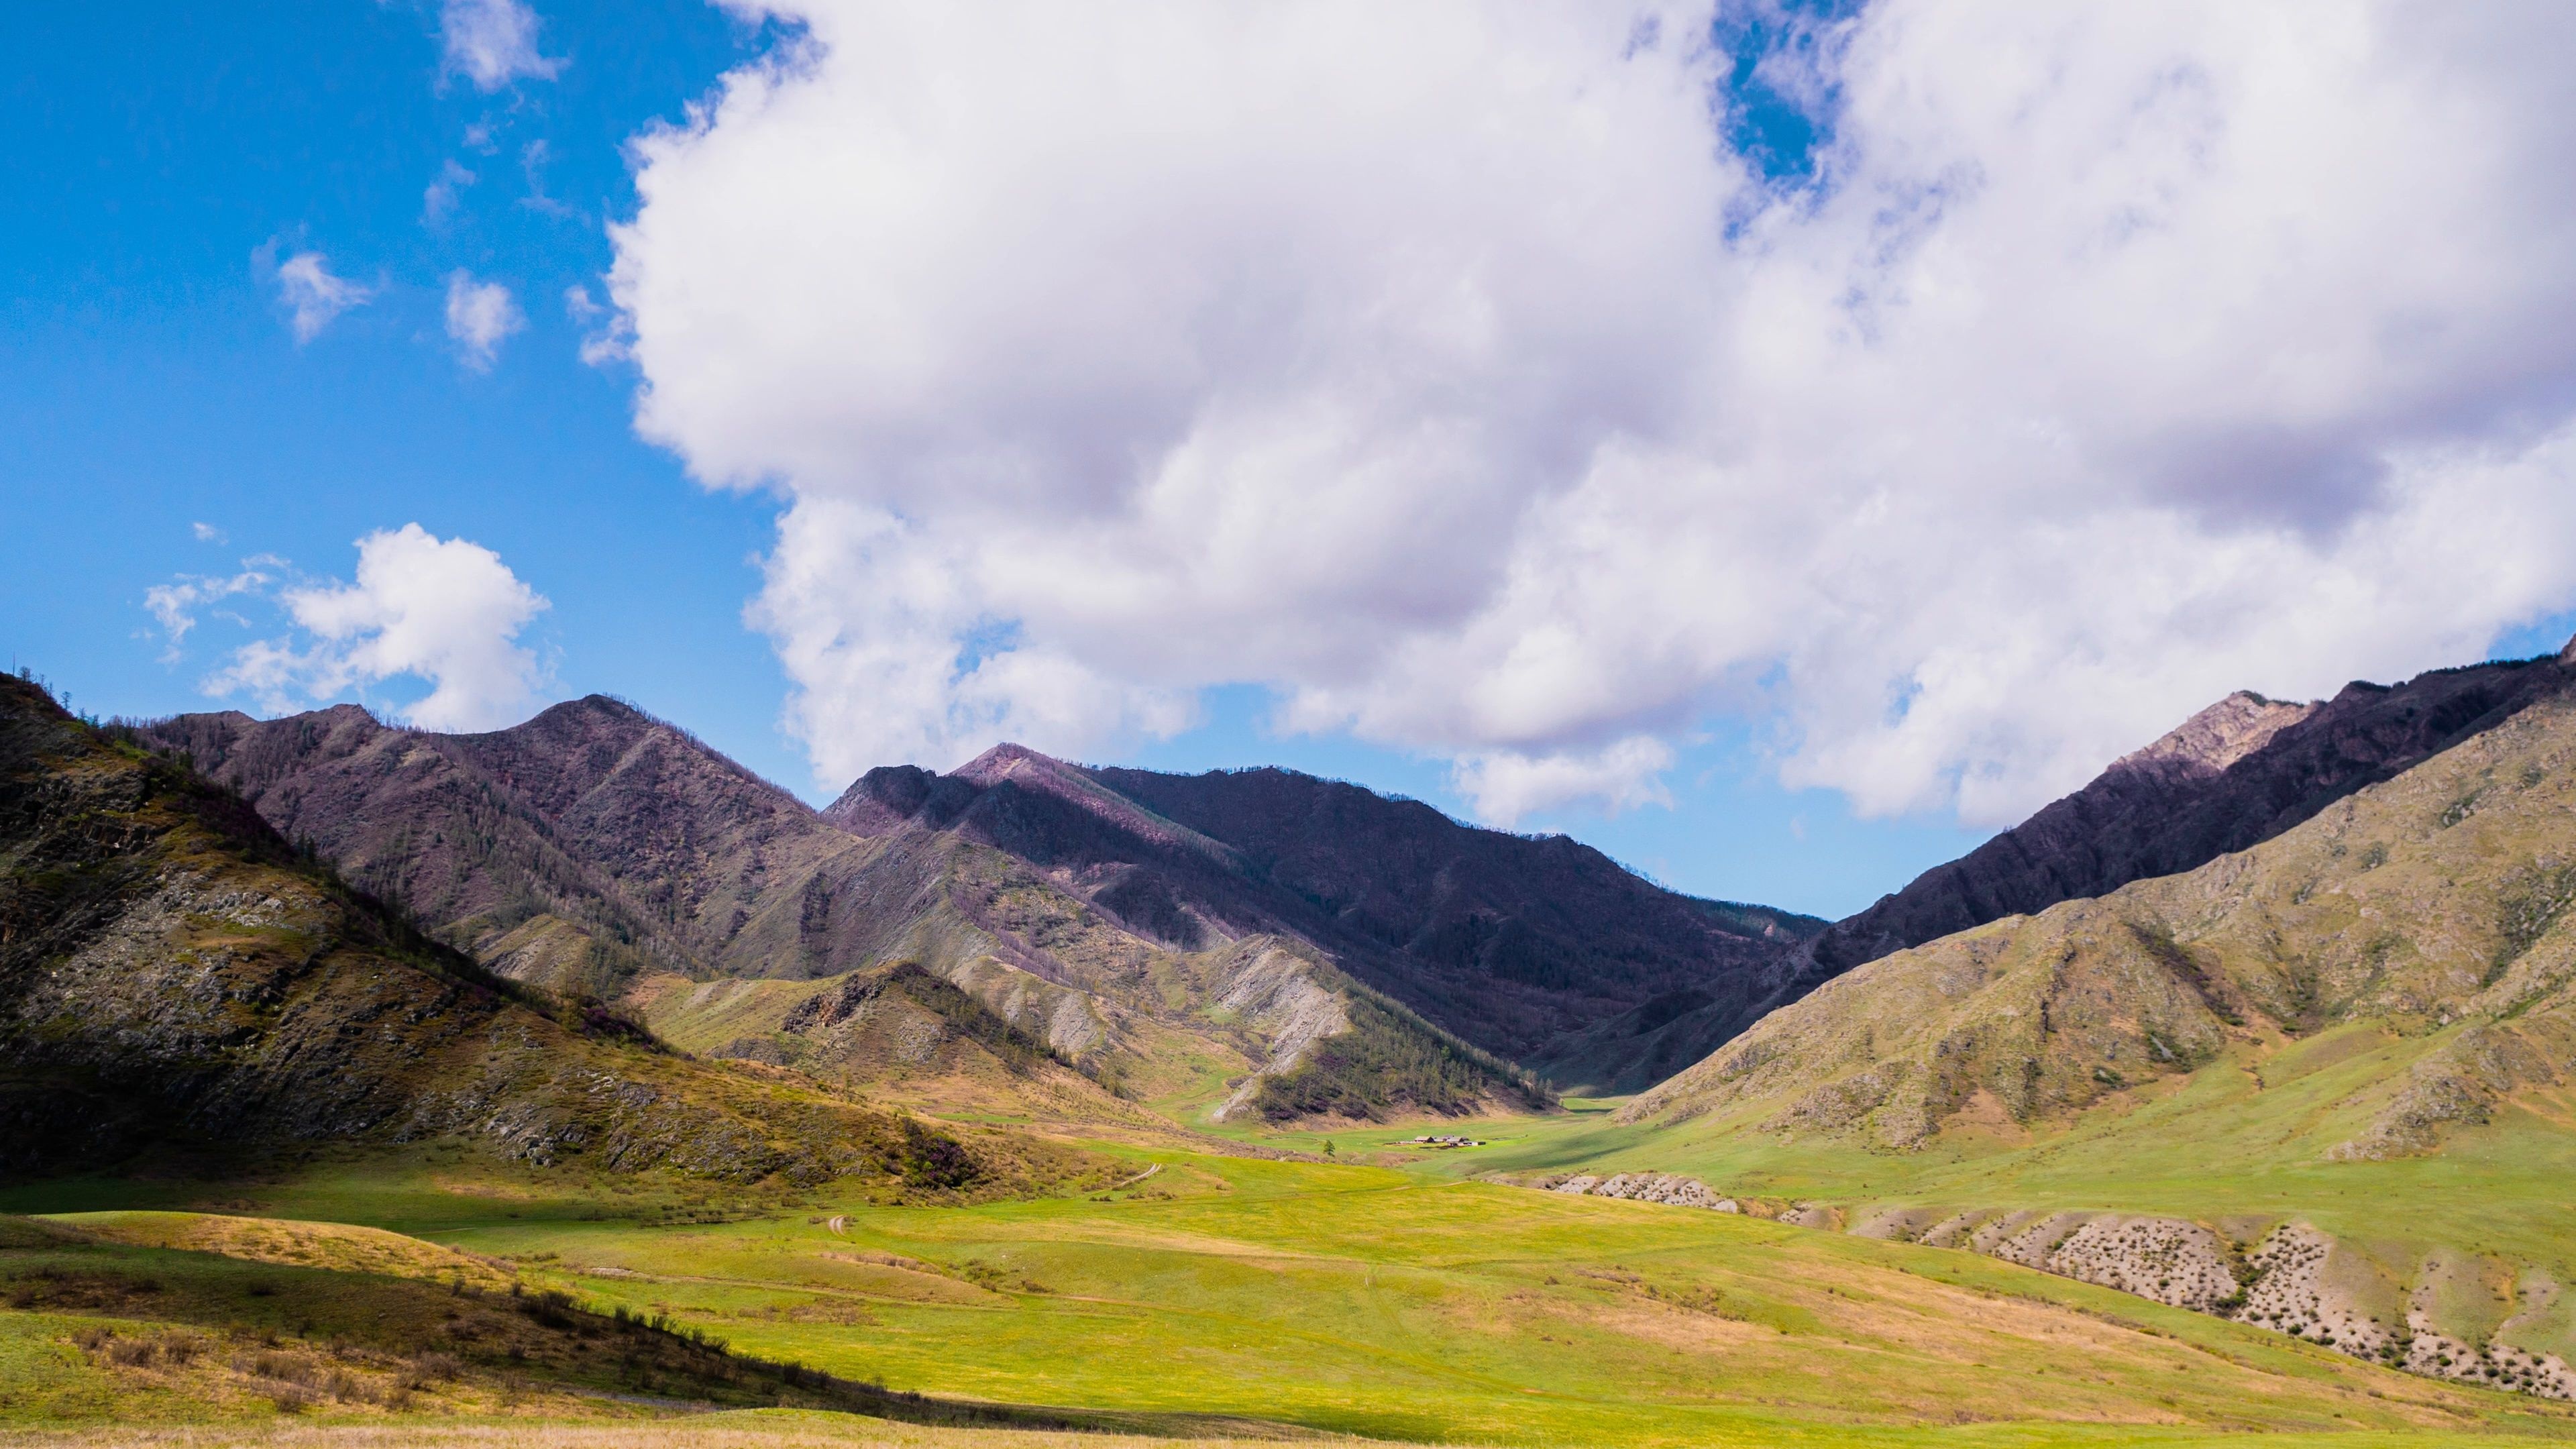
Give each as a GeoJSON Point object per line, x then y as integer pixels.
{"type": "Point", "coordinates": [176, 977]}
{"type": "Point", "coordinates": [1521, 946]}
{"type": "Point", "coordinates": [1284, 923]}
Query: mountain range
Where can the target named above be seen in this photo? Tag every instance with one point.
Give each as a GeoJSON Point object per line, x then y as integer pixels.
{"type": "Point", "coordinates": [1082, 943]}
{"type": "Point", "coordinates": [1231, 943]}
{"type": "Point", "coordinates": [174, 974]}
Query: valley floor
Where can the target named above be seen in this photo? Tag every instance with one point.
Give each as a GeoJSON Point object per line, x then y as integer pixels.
{"type": "Point", "coordinates": [1219, 1297]}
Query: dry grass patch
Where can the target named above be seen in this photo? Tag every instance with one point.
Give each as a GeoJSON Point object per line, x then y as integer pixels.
{"type": "Point", "coordinates": [339, 1247]}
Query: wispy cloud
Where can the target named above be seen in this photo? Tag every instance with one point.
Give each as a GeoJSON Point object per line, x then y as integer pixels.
{"type": "Point", "coordinates": [207, 533]}
{"type": "Point", "coordinates": [175, 605]}
{"type": "Point", "coordinates": [313, 296]}
{"type": "Point", "coordinates": [493, 42]}
{"type": "Point", "coordinates": [480, 316]}
{"type": "Point", "coordinates": [607, 337]}
{"type": "Point", "coordinates": [438, 203]}
{"type": "Point", "coordinates": [532, 163]}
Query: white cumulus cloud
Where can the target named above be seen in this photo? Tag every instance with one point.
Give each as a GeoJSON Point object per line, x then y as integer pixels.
{"type": "Point", "coordinates": [444, 611]}
{"type": "Point", "coordinates": [493, 42]}
{"type": "Point", "coordinates": [480, 317]}
{"type": "Point", "coordinates": [313, 296]}
{"type": "Point", "coordinates": [1443, 368]}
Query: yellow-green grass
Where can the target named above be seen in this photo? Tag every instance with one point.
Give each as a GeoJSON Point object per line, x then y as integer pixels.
{"type": "Point", "coordinates": [794, 1429]}
{"type": "Point", "coordinates": [1388, 1303]}
{"type": "Point", "coordinates": [2493, 1215]}
{"type": "Point", "coordinates": [2218, 1147]}
{"type": "Point", "coordinates": [268, 1317]}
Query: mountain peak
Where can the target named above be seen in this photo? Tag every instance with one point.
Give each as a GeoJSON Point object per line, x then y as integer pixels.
{"type": "Point", "coordinates": [2224, 733]}
{"type": "Point", "coordinates": [1005, 761]}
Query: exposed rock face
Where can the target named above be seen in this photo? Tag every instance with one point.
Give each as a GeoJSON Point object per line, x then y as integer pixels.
{"type": "Point", "coordinates": [170, 968]}
{"type": "Point", "coordinates": [593, 847]}
{"type": "Point", "coordinates": [1655, 1187]}
{"type": "Point", "coordinates": [2238, 773]}
{"type": "Point", "coordinates": [580, 849]}
{"type": "Point", "coordinates": [2173, 1262]}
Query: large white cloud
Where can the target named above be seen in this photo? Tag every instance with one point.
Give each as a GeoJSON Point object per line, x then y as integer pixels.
{"type": "Point", "coordinates": [444, 611]}
{"type": "Point", "coordinates": [1442, 367]}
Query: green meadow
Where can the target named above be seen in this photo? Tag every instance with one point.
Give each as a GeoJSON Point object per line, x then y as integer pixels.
{"type": "Point", "coordinates": [1217, 1296]}
{"type": "Point", "coordinates": [2241, 1140]}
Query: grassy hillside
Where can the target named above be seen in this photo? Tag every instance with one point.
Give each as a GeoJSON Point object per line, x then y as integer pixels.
{"type": "Point", "coordinates": [2362, 1026]}
{"type": "Point", "coordinates": [1284, 1296]}
{"type": "Point", "coordinates": [2428, 912]}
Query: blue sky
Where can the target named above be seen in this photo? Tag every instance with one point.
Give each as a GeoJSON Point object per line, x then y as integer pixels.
{"type": "Point", "coordinates": [169, 157]}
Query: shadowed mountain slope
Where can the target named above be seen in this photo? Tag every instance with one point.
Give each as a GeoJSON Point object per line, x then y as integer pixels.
{"type": "Point", "coordinates": [2238, 773]}
{"type": "Point", "coordinates": [2424, 916]}
{"type": "Point", "coordinates": [173, 972]}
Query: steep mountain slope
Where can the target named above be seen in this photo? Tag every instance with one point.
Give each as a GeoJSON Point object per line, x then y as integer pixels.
{"type": "Point", "coordinates": [1543, 951]}
{"type": "Point", "coordinates": [2431, 908]}
{"type": "Point", "coordinates": [1190, 941]}
{"type": "Point", "coordinates": [596, 849]}
{"type": "Point", "coordinates": [584, 848]}
{"type": "Point", "coordinates": [172, 971]}
{"type": "Point", "coordinates": [2238, 773]}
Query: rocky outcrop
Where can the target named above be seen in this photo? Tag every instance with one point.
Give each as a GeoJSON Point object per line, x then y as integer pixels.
{"type": "Point", "coordinates": [1654, 1187]}
{"type": "Point", "coordinates": [2178, 1263]}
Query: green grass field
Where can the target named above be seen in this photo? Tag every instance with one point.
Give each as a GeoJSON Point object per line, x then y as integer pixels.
{"type": "Point", "coordinates": [1390, 1302]}
{"type": "Point", "coordinates": [2218, 1148]}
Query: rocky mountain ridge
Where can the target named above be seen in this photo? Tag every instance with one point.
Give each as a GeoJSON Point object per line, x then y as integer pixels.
{"type": "Point", "coordinates": [1529, 949]}
{"type": "Point", "coordinates": [1260, 941]}
{"type": "Point", "coordinates": [2232, 776]}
